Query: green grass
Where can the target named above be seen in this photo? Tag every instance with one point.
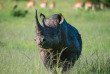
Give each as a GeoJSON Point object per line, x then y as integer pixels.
{"type": "Point", "coordinates": [19, 53]}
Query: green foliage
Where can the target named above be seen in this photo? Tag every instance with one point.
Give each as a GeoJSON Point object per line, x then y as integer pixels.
{"type": "Point", "coordinates": [99, 1]}
{"type": "Point", "coordinates": [106, 2]}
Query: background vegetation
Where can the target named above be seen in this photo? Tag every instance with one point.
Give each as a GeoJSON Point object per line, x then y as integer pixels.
{"type": "Point", "coordinates": [19, 53]}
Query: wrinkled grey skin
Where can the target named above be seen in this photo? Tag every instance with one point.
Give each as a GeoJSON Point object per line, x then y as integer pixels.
{"type": "Point", "coordinates": [58, 42]}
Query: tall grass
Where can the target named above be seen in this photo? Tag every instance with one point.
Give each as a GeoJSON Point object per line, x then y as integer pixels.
{"type": "Point", "coordinates": [19, 53]}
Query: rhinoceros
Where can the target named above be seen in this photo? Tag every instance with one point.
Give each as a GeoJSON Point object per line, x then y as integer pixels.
{"type": "Point", "coordinates": [59, 43]}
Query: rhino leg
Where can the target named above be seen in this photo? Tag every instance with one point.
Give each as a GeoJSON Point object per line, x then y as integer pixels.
{"type": "Point", "coordinates": [66, 67]}
{"type": "Point", "coordinates": [50, 66]}
{"type": "Point", "coordinates": [70, 61]}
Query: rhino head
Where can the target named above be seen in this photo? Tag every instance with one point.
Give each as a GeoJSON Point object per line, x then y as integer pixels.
{"type": "Point", "coordinates": [48, 34]}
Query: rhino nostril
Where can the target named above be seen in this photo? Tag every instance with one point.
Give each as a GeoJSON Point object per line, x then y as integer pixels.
{"type": "Point", "coordinates": [44, 40]}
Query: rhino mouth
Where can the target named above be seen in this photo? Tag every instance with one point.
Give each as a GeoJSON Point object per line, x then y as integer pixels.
{"type": "Point", "coordinates": [46, 46]}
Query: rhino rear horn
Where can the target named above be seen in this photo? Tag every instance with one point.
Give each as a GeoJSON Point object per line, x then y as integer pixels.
{"type": "Point", "coordinates": [42, 16]}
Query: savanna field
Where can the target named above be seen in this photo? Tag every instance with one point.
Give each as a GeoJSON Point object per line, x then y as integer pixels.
{"type": "Point", "coordinates": [18, 50]}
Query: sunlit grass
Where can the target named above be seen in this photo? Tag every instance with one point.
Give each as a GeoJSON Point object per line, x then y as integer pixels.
{"type": "Point", "coordinates": [19, 53]}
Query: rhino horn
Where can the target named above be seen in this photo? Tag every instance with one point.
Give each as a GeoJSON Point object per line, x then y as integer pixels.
{"type": "Point", "coordinates": [42, 16]}
{"type": "Point", "coordinates": [38, 26]}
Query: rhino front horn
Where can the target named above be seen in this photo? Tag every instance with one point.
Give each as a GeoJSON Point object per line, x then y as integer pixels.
{"type": "Point", "coordinates": [38, 26]}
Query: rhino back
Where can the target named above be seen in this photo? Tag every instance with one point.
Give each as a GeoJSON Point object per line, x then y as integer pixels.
{"type": "Point", "coordinates": [73, 33]}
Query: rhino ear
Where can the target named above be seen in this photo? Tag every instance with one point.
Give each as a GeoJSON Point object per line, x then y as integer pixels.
{"type": "Point", "coordinates": [60, 18]}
